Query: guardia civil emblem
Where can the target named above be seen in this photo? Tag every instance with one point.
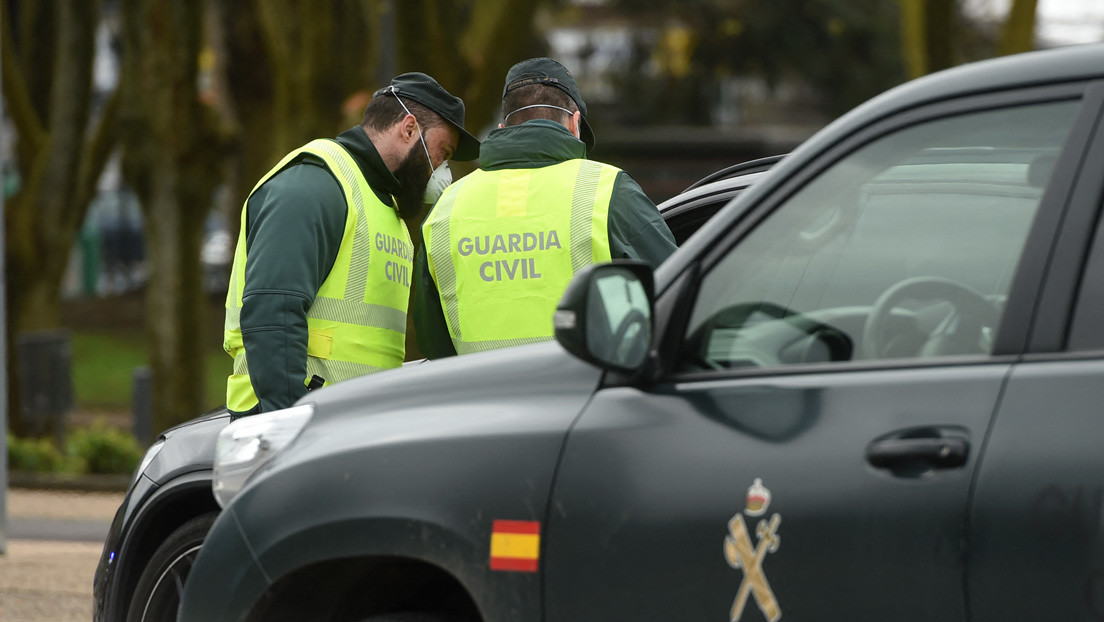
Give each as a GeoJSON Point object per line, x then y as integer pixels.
{"type": "Point", "coordinates": [743, 554]}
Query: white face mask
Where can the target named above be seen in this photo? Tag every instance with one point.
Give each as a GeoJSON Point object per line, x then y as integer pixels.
{"type": "Point", "coordinates": [441, 176]}
{"type": "Point", "coordinates": [438, 181]}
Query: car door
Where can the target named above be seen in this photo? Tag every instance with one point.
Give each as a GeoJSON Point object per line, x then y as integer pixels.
{"type": "Point", "coordinates": [809, 451]}
{"type": "Point", "coordinates": [1035, 538]}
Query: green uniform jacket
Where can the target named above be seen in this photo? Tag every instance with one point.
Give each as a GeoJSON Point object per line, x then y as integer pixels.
{"type": "Point", "coordinates": [294, 226]}
{"type": "Point", "coordinates": [636, 230]}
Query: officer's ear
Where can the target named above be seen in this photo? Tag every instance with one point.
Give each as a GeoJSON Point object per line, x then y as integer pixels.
{"type": "Point", "coordinates": [574, 124]}
{"type": "Point", "coordinates": [408, 128]}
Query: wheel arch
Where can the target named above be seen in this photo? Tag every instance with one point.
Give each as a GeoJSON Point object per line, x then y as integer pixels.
{"type": "Point", "coordinates": [354, 588]}
{"type": "Point", "coordinates": [170, 506]}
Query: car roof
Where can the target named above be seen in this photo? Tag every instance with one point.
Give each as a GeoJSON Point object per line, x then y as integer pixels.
{"type": "Point", "coordinates": [758, 165]}
{"type": "Point", "coordinates": [719, 185]}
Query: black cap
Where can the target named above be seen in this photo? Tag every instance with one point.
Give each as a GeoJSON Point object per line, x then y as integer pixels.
{"type": "Point", "coordinates": [551, 73]}
{"type": "Point", "coordinates": [425, 90]}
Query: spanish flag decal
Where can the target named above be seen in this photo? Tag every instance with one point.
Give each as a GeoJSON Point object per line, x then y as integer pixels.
{"type": "Point", "coordinates": [515, 545]}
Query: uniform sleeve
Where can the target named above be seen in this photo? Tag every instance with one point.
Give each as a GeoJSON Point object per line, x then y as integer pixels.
{"type": "Point", "coordinates": [429, 318]}
{"type": "Point", "coordinates": [636, 229]}
{"type": "Point", "coordinates": [293, 231]}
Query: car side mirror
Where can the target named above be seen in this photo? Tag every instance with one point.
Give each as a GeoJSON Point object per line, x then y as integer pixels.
{"type": "Point", "coordinates": [606, 313]}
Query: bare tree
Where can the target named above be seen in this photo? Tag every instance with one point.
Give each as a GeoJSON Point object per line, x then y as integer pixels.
{"type": "Point", "coordinates": [1018, 34]}
{"type": "Point", "coordinates": [46, 62]}
{"type": "Point", "coordinates": [172, 158]}
{"type": "Point", "coordinates": [290, 64]}
{"type": "Point", "coordinates": [934, 34]}
{"type": "Point", "coordinates": [928, 30]}
{"type": "Point", "coordinates": [467, 46]}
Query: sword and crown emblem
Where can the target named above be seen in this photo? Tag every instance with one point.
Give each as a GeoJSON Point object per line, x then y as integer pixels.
{"type": "Point", "coordinates": [742, 554]}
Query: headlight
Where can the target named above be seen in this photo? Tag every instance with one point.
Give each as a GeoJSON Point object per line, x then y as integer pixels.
{"type": "Point", "coordinates": [246, 444]}
{"type": "Point", "coordinates": [151, 453]}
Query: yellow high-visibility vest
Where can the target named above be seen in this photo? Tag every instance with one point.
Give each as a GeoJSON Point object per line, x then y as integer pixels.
{"type": "Point", "coordinates": [503, 245]}
{"type": "Point", "coordinates": [357, 323]}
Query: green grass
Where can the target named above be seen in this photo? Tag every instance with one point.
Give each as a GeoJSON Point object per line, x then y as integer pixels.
{"type": "Point", "coordinates": [104, 364]}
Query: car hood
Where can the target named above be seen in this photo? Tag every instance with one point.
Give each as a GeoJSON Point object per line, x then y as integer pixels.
{"type": "Point", "coordinates": [214, 418]}
{"type": "Point", "coordinates": [520, 372]}
{"type": "Point", "coordinates": [188, 447]}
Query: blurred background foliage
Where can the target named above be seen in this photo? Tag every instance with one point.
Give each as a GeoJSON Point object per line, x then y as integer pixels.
{"type": "Point", "coordinates": [176, 107]}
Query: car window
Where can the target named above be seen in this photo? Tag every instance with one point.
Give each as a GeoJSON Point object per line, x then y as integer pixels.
{"type": "Point", "coordinates": [695, 206]}
{"type": "Point", "coordinates": [685, 223]}
{"type": "Point", "coordinates": [687, 213]}
{"type": "Point", "coordinates": [905, 248]}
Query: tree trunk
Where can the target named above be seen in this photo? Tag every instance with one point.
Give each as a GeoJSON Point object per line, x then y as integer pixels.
{"type": "Point", "coordinates": [467, 47]}
{"type": "Point", "coordinates": [175, 309]}
{"type": "Point", "coordinates": [1019, 29]}
{"type": "Point", "coordinates": [173, 160]}
{"type": "Point", "coordinates": [300, 38]}
{"type": "Point", "coordinates": [928, 30]}
{"type": "Point", "coordinates": [497, 35]}
{"type": "Point", "coordinates": [58, 159]}
{"type": "Point", "coordinates": [291, 64]}
{"type": "Point", "coordinates": [249, 92]}
{"type": "Point", "coordinates": [913, 35]}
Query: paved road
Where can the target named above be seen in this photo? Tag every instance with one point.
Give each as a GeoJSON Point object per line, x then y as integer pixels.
{"type": "Point", "coordinates": [54, 544]}
{"type": "Point", "coordinates": [57, 529]}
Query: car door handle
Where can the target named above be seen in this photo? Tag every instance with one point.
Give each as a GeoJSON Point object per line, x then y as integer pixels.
{"type": "Point", "coordinates": [940, 453]}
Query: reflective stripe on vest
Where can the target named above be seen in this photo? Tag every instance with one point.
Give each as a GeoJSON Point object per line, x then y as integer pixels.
{"type": "Point", "coordinates": [357, 323]}
{"type": "Point", "coordinates": [503, 245]}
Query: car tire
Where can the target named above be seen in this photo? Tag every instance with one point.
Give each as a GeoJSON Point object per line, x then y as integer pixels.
{"type": "Point", "coordinates": [157, 596]}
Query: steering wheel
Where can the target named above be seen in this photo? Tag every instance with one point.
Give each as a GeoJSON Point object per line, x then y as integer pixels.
{"type": "Point", "coordinates": [634, 318]}
{"type": "Point", "coordinates": [958, 333]}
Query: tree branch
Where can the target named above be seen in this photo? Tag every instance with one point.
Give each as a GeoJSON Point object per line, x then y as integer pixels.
{"type": "Point", "coordinates": [70, 95]}
{"type": "Point", "coordinates": [27, 123]}
{"type": "Point", "coordinates": [277, 40]}
{"type": "Point", "coordinates": [97, 150]}
{"type": "Point", "coordinates": [490, 45]}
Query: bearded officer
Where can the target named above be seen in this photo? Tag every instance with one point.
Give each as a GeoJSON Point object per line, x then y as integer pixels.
{"type": "Point", "coordinates": [321, 278]}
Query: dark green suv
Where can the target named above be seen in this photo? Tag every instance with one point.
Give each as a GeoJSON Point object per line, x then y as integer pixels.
{"type": "Point", "coordinates": [867, 389]}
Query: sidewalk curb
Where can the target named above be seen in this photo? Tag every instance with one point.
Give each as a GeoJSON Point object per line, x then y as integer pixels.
{"type": "Point", "coordinates": [64, 481]}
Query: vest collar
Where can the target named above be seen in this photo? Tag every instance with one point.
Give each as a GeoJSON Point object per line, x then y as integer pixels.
{"type": "Point", "coordinates": [532, 144]}
{"type": "Point", "coordinates": [379, 177]}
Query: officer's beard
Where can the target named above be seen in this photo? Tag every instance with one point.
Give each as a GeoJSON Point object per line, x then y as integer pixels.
{"type": "Point", "coordinates": [413, 175]}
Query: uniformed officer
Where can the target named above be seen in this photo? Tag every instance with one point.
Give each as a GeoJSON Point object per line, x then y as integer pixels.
{"type": "Point", "coordinates": [321, 276]}
{"type": "Point", "coordinates": [502, 243]}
